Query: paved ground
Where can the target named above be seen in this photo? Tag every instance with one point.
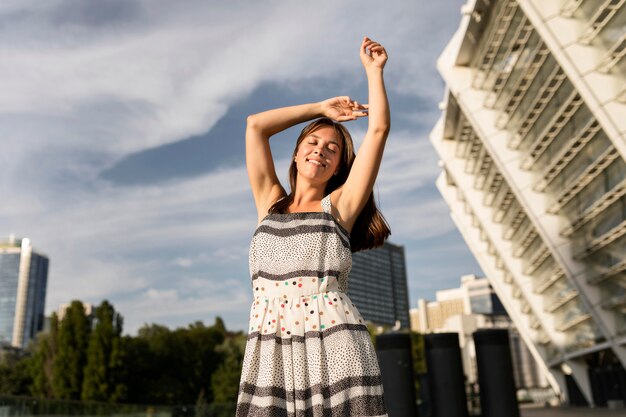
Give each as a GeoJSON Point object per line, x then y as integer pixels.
{"type": "Point", "coordinates": [572, 412]}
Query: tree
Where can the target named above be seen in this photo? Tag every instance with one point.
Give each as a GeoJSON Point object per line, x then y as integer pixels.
{"type": "Point", "coordinates": [419, 360]}
{"type": "Point", "coordinates": [69, 363]}
{"type": "Point", "coordinates": [203, 360]}
{"type": "Point", "coordinates": [219, 325]}
{"type": "Point", "coordinates": [41, 364]}
{"type": "Point", "coordinates": [225, 380]}
{"type": "Point", "coordinates": [104, 357]}
{"type": "Point", "coordinates": [139, 371]}
{"type": "Point", "coordinates": [173, 367]}
{"type": "Point", "coordinates": [14, 377]}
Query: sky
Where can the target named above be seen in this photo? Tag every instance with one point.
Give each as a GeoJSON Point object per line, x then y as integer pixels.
{"type": "Point", "coordinates": [122, 124]}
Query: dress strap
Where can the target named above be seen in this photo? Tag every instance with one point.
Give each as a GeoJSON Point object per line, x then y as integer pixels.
{"type": "Point", "coordinates": [326, 204]}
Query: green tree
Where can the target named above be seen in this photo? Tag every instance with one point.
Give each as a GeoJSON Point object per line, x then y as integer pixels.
{"type": "Point", "coordinates": [202, 407]}
{"type": "Point", "coordinates": [14, 376]}
{"type": "Point", "coordinates": [41, 363]}
{"type": "Point", "coordinates": [419, 359]}
{"type": "Point", "coordinates": [71, 358]}
{"type": "Point", "coordinates": [139, 370]}
{"type": "Point", "coordinates": [225, 380]}
{"type": "Point", "coordinates": [219, 325]}
{"type": "Point", "coordinates": [104, 357]}
{"type": "Point", "coordinates": [173, 367]}
{"type": "Point", "coordinates": [418, 352]}
{"type": "Point", "coordinates": [203, 359]}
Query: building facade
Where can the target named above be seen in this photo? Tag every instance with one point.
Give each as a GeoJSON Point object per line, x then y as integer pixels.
{"type": "Point", "coordinates": [464, 310]}
{"type": "Point", "coordinates": [378, 285]}
{"type": "Point", "coordinates": [532, 148]}
{"type": "Point", "coordinates": [23, 282]}
{"type": "Point", "coordinates": [474, 296]}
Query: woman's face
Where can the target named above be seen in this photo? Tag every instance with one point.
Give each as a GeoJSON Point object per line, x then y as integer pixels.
{"type": "Point", "coordinates": [319, 154]}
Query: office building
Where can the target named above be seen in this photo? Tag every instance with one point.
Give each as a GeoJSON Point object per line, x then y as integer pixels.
{"type": "Point", "coordinates": [23, 281]}
{"type": "Point", "coordinates": [378, 285]}
{"type": "Point", "coordinates": [473, 306]}
{"type": "Point", "coordinates": [474, 296]}
{"type": "Point", "coordinates": [532, 149]}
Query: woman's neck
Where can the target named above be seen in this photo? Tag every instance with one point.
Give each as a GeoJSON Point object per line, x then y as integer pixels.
{"type": "Point", "coordinates": [307, 199]}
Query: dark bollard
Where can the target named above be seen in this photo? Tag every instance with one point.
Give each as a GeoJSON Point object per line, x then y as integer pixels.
{"type": "Point", "coordinates": [445, 373]}
{"type": "Point", "coordinates": [495, 373]}
{"type": "Point", "coordinates": [396, 369]}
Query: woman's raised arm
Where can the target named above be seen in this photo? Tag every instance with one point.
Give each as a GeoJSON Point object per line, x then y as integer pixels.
{"type": "Point", "coordinates": [266, 188]}
{"type": "Point", "coordinates": [353, 195]}
{"type": "Point", "coordinates": [260, 127]}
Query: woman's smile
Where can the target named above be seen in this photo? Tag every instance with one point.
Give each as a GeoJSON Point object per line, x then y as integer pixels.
{"type": "Point", "coordinates": [316, 162]}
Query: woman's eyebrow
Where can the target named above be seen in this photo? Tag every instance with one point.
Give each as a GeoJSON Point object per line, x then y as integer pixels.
{"type": "Point", "coordinates": [330, 141]}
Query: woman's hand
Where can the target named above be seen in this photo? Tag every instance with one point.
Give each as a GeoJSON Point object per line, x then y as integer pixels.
{"type": "Point", "coordinates": [342, 109]}
{"type": "Point", "coordinates": [373, 55]}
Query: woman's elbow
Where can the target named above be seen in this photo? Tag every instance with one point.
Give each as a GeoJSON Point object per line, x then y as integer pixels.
{"type": "Point", "coordinates": [252, 120]}
{"type": "Point", "coordinates": [381, 129]}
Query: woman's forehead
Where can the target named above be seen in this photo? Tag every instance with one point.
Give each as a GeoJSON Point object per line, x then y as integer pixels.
{"type": "Point", "coordinates": [326, 133]}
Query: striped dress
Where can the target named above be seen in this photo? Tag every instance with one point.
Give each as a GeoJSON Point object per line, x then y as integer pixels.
{"type": "Point", "coordinates": [308, 352]}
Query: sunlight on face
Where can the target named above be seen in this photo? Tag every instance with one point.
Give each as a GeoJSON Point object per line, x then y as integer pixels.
{"type": "Point", "coordinates": [319, 154]}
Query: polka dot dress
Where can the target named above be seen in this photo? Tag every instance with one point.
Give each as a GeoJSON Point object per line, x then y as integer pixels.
{"type": "Point", "coordinates": [308, 351]}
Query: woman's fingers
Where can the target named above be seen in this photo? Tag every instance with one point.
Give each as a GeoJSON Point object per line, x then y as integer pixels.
{"type": "Point", "coordinates": [365, 46]}
{"type": "Point", "coordinates": [346, 108]}
{"type": "Point", "coordinates": [371, 46]}
{"type": "Point", "coordinates": [373, 54]}
{"type": "Point", "coordinates": [355, 114]}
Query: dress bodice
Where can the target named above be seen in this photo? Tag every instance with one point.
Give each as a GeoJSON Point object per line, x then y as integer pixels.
{"type": "Point", "coordinates": [300, 245]}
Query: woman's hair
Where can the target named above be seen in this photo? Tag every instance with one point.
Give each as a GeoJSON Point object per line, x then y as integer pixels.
{"type": "Point", "coordinates": [370, 228]}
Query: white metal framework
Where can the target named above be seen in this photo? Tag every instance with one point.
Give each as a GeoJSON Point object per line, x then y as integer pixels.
{"type": "Point", "coordinates": [534, 169]}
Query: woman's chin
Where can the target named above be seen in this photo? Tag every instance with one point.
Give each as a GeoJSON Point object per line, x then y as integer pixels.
{"type": "Point", "coordinates": [315, 176]}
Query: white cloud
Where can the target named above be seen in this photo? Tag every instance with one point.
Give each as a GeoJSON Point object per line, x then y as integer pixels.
{"type": "Point", "coordinates": [183, 262]}
{"type": "Point", "coordinates": [409, 162]}
{"type": "Point", "coordinates": [169, 305]}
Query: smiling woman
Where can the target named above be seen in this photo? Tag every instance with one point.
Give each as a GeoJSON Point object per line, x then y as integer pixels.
{"type": "Point", "coordinates": [308, 350]}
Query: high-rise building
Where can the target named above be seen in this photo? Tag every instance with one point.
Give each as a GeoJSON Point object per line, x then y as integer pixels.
{"type": "Point", "coordinates": [23, 281]}
{"type": "Point", "coordinates": [533, 150]}
{"type": "Point", "coordinates": [378, 285]}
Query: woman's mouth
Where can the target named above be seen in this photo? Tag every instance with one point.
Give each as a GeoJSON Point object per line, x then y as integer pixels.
{"type": "Point", "coordinates": [316, 162]}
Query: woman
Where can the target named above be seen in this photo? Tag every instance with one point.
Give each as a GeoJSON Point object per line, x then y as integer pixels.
{"type": "Point", "coordinates": [308, 350]}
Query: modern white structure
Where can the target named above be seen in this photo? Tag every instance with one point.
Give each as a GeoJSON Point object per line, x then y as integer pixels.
{"type": "Point", "coordinates": [532, 142]}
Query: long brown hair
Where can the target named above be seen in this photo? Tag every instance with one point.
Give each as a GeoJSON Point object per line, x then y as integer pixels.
{"type": "Point", "coordinates": [370, 228]}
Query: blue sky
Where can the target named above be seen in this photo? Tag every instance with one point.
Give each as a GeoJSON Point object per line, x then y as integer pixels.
{"type": "Point", "coordinates": [122, 123]}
